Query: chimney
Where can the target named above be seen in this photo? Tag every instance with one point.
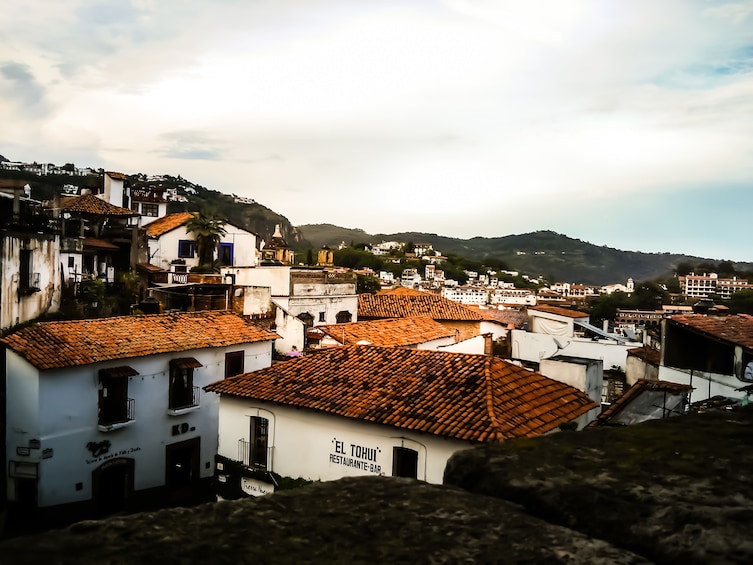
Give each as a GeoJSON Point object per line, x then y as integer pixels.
{"type": "Point", "coordinates": [488, 344]}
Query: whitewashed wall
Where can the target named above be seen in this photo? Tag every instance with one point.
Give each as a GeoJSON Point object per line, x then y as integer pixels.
{"type": "Point", "coordinates": [164, 250]}
{"type": "Point", "coordinates": [313, 445]}
{"type": "Point", "coordinates": [586, 377]}
{"type": "Point", "coordinates": [705, 385]}
{"type": "Point", "coordinates": [15, 309]}
{"type": "Point", "coordinates": [62, 413]}
{"type": "Point", "coordinates": [533, 347]}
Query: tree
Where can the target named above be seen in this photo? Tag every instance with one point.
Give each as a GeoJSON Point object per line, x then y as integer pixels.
{"type": "Point", "coordinates": [367, 284]}
{"type": "Point", "coordinates": [208, 231]}
{"type": "Point", "coordinates": [310, 257]}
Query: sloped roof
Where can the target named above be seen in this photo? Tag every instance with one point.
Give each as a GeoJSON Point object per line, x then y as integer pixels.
{"type": "Point", "coordinates": [167, 223]}
{"type": "Point", "coordinates": [640, 386]}
{"type": "Point", "coordinates": [94, 243]}
{"type": "Point", "coordinates": [517, 318]}
{"type": "Point", "coordinates": [389, 332]}
{"type": "Point", "coordinates": [115, 175]}
{"type": "Point", "coordinates": [732, 329]}
{"type": "Point", "coordinates": [468, 397]}
{"type": "Point", "coordinates": [558, 310]}
{"type": "Point", "coordinates": [52, 345]}
{"type": "Point", "coordinates": [91, 204]}
{"type": "Point", "coordinates": [647, 354]}
{"type": "Point", "coordinates": [405, 302]}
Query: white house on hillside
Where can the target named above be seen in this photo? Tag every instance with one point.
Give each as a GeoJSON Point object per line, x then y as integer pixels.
{"type": "Point", "coordinates": [173, 248]}
{"type": "Point", "coordinates": [108, 414]}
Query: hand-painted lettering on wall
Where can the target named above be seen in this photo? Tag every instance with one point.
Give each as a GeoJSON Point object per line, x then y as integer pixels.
{"type": "Point", "coordinates": [356, 456]}
{"type": "Point", "coordinates": [106, 455]}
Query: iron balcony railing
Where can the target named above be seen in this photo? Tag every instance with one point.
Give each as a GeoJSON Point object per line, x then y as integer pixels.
{"type": "Point", "coordinates": [259, 458]}
{"type": "Point", "coordinates": [123, 414]}
{"type": "Point", "coordinates": [187, 400]}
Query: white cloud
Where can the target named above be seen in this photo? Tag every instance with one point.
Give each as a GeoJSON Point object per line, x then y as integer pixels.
{"type": "Point", "coordinates": [459, 116]}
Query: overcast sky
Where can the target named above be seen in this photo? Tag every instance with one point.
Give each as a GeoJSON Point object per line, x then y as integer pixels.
{"type": "Point", "coordinates": [626, 123]}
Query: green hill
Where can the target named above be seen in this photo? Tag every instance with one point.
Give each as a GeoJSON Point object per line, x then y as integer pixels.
{"type": "Point", "coordinates": [545, 253]}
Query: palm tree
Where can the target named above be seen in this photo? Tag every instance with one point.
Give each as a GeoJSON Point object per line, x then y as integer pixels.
{"type": "Point", "coordinates": [208, 230]}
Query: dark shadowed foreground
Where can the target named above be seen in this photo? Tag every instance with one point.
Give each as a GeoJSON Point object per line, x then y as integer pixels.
{"type": "Point", "coordinates": [673, 491]}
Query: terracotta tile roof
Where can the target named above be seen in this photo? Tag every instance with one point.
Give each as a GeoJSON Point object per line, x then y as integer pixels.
{"type": "Point", "coordinates": [636, 390]}
{"type": "Point", "coordinates": [390, 332]}
{"type": "Point", "coordinates": [733, 329]}
{"type": "Point", "coordinates": [405, 302]}
{"type": "Point", "coordinates": [90, 204]}
{"type": "Point", "coordinates": [558, 310]}
{"type": "Point", "coordinates": [517, 318]}
{"type": "Point", "coordinates": [167, 223]}
{"type": "Point", "coordinates": [52, 345]}
{"type": "Point", "coordinates": [94, 243]}
{"type": "Point", "coordinates": [115, 175]}
{"type": "Point", "coordinates": [468, 397]}
{"type": "Point", "coordinates": [647, 354]}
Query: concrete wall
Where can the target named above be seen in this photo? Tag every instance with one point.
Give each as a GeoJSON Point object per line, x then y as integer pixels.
{"type": "Point", "coordinates": [705, 385]}
{"type": "Point", "coordinates": [637, 368]}
{"type": "Point", "coordinates": [18, 308]}
{"type": "Point", "coordinates": [587, 376]}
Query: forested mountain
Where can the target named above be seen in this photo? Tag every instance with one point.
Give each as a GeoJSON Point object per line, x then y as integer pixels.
{"type": "Point", "coordinates": [543, 253]}
{"type": "Point", "coordinates": [551, 255]}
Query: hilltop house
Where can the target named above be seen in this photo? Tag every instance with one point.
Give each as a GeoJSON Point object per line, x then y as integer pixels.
{"type": "Point", "coordinates": [173, 248]}
{"type": "Point", "coordinates": [361, 410]}
{"type": "Point", "coordinates": [405, 302]}
{"type": "Point", "coordinates": [108, 414]}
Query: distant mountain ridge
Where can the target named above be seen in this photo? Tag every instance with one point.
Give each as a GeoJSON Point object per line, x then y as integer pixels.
{"type": "Point", "coordinates": [546, 253]}
{"type": "Point", "coordinates": [542, 253]}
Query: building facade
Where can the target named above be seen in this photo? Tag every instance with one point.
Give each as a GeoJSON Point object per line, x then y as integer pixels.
{"type": "Point", "coordinates": [109, 414]}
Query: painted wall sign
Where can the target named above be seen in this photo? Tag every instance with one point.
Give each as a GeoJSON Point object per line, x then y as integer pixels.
{"type": "Point", "coordinates": [356, 456]}
{"type": "Point", "coordinates": [99, 456]}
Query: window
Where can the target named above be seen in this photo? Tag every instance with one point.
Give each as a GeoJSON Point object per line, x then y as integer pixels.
{"type": "Point", "coordinates": [343, 317]}
{"type": "Point", "coordinates": [114, 405]}
{"type": "Point", "coordinates": [307, 319]}
{"type": "Point", "coordinates": [257, 453]}
{"type": "Point", "coordinates": [233, 363]}
{"type": "Point", "coordinates": [321, 317]}
{"type": "Point", "coordinates": [404, 462]}
{"type": "Point", "coordinates": [186, 248]}
{"type": "Point", "coordinates": [24, 270]}
{"type": "Point", "coordinates": [225, 254]}
{"type": "Point", "coordinates": [182, 392]}
{"type": "Point", "coordinates": [150, 210]}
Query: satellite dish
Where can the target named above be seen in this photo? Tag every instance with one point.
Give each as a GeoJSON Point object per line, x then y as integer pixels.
{"type": "Point", "coordinates": [748, 374]}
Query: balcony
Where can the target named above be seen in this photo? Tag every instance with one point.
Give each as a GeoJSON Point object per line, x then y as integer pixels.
{"type": "Point", "coordinates": [257, 458]}
{"type": "Point", "coordinates": [115, 417]}
{"type": "Point", "coordinates": [184, 400]}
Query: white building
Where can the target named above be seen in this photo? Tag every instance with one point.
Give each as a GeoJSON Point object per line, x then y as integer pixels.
{"type": "Point", "coordinates": [703, 286]}
{"type": "Point", "coordinates": [466, 294]}
{"type": "Point", "coordinates": [173, 248]}
{"type": "Point", "coordinates": [365, 410]}
{"type": "Point", "coordinates": [553, 330]}
{"type": "Point", "coordinates": [314, 295]}
{"type": "Point", "coordinates": [106, 414]}
{"type": "Point", "coordinates": [29, 259]}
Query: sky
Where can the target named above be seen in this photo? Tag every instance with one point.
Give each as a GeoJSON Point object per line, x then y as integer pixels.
{"type": "Point", "coordinates": [625, 123]}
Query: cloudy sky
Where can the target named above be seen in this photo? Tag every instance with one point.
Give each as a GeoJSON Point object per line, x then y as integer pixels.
{"type": "Point", "coordinates": [626, 123]}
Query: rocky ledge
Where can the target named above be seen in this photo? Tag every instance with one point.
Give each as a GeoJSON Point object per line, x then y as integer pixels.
{"type": "Point", "coordinates": [672, 491]}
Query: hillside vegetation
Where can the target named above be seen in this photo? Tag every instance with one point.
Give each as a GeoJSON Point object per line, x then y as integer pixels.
{"type": "Point", "coordinates": [542, 253]}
